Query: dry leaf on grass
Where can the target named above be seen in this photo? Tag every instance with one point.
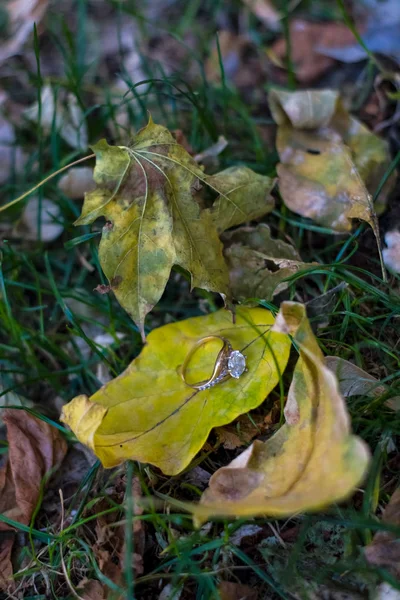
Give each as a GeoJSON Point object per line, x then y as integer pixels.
{"type": "Point", "coordinates": [60, 111]}
{"type": "Point", "coordinates": [384, 549]}
{"type": "Point", "coordinates": [91, 589]}
{"type": "Point", "coordinates": [312, 461]}
{"type": "Point", "coordinates": [306, 37]}
{"type": "Point", "coordinates": [354, 381]}
{"type": "Point", "coordinates": [22, 15]}
{"type": "Point", "coordinates": [148, 194]}
{"type": "Point", "coordinates": [34, 449]}
{"type": "Point", "coordinates": [229, 590]}
{"type": "Point", "coordinates": [328, 159]}
{"type": "Point", "coordinates": [109, 545]}
{"type": "Point", "coordinates": [243, 64]}
{"type": "Point", "coordinates": [12, 157]}
{"type": "Point", "coordinates": [149, 414]}
{"type": "Point", "coordinates": [243, 196]}
{"type": "Point", "coordinates": [210, 154]}
{"type": "Point", "coordinates": [320, 308]}
{"type": "Point", "coordinates": [265, 11]}
{"type": "Point", "coordinates": [391, 254]}
{"type": "Point", "coordinates": [77, 182]}
{"type": "Point", "coordinates": [381, 33]}
{"type": "Point", "coordinates": [239, 433]}
{"type": "Point", "coordinates": [259, 264]}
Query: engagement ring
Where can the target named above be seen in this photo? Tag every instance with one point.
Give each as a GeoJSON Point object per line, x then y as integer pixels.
{"type": "Point", "coordinates": [229, 363]}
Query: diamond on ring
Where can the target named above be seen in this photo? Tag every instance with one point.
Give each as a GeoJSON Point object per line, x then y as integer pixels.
{"type": "Point", "coordinates": [236, 364]}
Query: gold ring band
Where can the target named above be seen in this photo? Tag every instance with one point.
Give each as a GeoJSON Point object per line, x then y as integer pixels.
{"type": "Point", "coordinates": [222, 368]}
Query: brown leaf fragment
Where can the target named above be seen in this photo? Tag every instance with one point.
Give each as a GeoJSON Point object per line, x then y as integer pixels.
{"type": "Point", "coordinates": [91, 589]}
{"type": "Point", "coordinates": [265, 11]}
{"type": "Point", "coordinates": [22, 15]}
{"type": "Point", "coordinates": [259, 264]}
{"type": "Point", "coordinates": [230, 590]}
{"type": "Point", "coordinates": [34, 450]}
{"type": "Point", "coordinates": [305, 37]}
{"type": "Point", "coordinates": [242, 63]}
{"type": "Point", "coordinates": [384, 549]}
{"type": "Point", "coordinates": [109, 547]}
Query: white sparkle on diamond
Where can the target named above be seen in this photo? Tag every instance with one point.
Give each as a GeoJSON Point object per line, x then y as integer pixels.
{"type": "Point", "coordinates": [236, 364]}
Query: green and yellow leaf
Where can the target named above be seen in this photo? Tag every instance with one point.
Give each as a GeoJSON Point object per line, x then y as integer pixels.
{"type": "Point", "coordinates": [312, 461]}
{"type": "Point", "coordinates": [244, 195]}
{"type": "Point", "coordinates": [149, 414]}
{"type": "Point", "coordinates": [147, 194]}
{"type": "Point", "coordinates": [330, 162]}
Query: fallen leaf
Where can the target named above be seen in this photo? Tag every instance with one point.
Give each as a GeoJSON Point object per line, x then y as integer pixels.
{"type": "Point", "coordinates": [109, 547]}
{"type": "Point", "coordinates": [325, 154]}
{"type": "Point", "coordinates": [311, 461]}
{"type": "Point", "coordinates": [320, 308]}
{"type": "Point", "coordinates": [385, 591]}
{"type": "Point", "coordinates": [12, 157]}
{"type": "Point", "coordinates": [380, 35]}
{"type": "Point", "coordinates": [171, 592]}
{"type": "Point", "coordinates": [77, 182]}
{"type": "Point", "coordinates": [62, 113]}
{"type": "Point", "coordinates": [354, 381]}
{"type": "Point", "coordinates": [50, 216]}
{"type": "Point", "coordinates": [265, 11]}
{"type": "Point", "coordinates": [230, 590]}
{"type": "Point", "coordinates": [244, 196]}
{"type": "Point", "coordinates": [34, 449]}
{"type": "Point", "coordinates": [149, 414]}
{"type": "Point", "coordinates": [22, 15]}
{"type": "Point", "coordinates": [306, 37]}
{"type": "Point", "coordinates": [391, 254]}
{"type": "Point", "coordinates": [241, 432]}
{"type": "Point", "coordinates": [209, 155]}
{"type": "Point", "coordinates": [384, 549]}
{"type": "Point", "coordinates": [243, 64]}
{"type": "Point", "coordinates": [246, 533]}
{"type": "Point", "coordinates": [91, 589]}
{"type": "Point", "coordinates": [147, 193]}
{"type": "Point", "coordinates": [259, 264]}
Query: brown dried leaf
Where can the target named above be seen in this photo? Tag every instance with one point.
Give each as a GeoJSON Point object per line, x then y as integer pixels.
{"type": "Point", "coordinates": [265, 11]}
{"type": "Point", "coordinates": [35, 448]}
{"type": "Point", "coordinates": [385, 547]}
{"type": "Point", "coordinates": [239, 433]}
{"type": "Point", "coordinates": [91, 589]}
{"type": "Point", "coordinates": [109, 547]}
{"type": "Point", "coordinates": [259, 264]}
{"type": "Point", "coordinates": [305, 38]}
{"type": "Point", "coordinates": [229, 590]}
{"type": "Point", "coordinates": [22, 14]}
{"type": "Point", "coordinates": [243, 64]}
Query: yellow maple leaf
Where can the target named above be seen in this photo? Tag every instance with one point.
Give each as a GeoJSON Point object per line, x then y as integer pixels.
{"type": "Point", "coordinates": [149, 414]}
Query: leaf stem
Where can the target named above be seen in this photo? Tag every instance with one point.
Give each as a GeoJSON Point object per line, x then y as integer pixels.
{"type": "Point", "coordinates": [37, 186]}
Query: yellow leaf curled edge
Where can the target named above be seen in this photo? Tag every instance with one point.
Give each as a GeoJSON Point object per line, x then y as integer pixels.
{"type": "Point", "coordinates": [149, 414]}
{"type": "Point", "coordinates": [311, 462]}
